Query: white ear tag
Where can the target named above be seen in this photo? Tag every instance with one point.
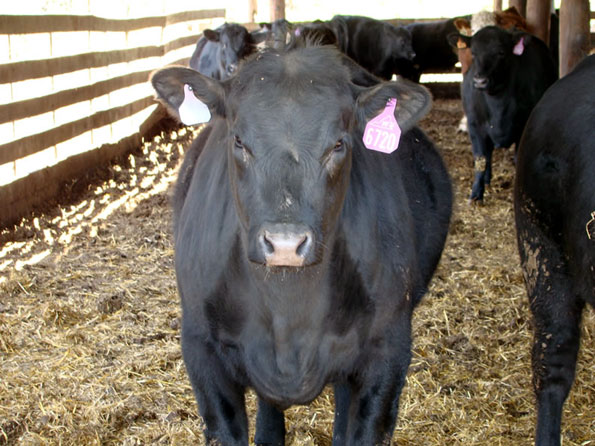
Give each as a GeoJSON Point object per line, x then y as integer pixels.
{"type": "Point", "coordinates": [192, 110]}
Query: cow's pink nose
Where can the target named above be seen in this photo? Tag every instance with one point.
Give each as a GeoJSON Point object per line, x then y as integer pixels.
{"type": "Point", "coordinates": [285, 248]}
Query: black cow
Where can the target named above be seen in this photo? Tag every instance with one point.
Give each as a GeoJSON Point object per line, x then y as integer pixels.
{"type": "Point", "coordinates": [274, 35]}
{"type": "Point", "coordinates": [554, 202]}
{"type": "Point", "coordinates": [300, 254]}
{"type": "Point", "coordinates": [431, 47]}
{"type": "Point", "coordinates": [218, 52]}
{"type": "Point", "coordinates": [319, 32]}
{"type": "Point", "coordinates": [374, 44]}
{"type": "Point", "coordinates": [509, 74]}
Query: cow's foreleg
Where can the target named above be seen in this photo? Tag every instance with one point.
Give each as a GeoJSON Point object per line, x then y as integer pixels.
{"type": "Point", "coordinates": [270, 425]}
{"type": "Point", "coordinates": [482, 147]}
{"type": "Point", "coordinates": [220, 399]}
{"type": "Point", "coordinates": [366, 410]}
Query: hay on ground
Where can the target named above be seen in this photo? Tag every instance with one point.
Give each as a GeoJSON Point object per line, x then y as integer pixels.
{"type": "Point", "coordinates": [90, 321]}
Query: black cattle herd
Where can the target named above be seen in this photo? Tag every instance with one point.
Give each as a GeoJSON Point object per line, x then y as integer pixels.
{"type": "Point", "coordinates": [311, 212]}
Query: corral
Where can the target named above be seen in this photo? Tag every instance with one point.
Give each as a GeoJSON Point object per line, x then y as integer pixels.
{"type": "Point", "coordinates": [90, 321]}
{"type": "Point", "coordinates": [89, 318]}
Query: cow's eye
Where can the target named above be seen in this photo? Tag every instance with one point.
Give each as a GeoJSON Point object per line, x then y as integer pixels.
{"type": "Point", "coordinates": [240, 149]}
{"type": "Point", "coordinates": [339, 146]}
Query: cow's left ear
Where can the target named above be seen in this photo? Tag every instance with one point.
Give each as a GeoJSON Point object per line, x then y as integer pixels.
{"type": "Point", "coordinates": [519, 41]}
{"type": "Point", "coordinates": [190, 96]}
{"type": "Point", "coordinates": [211, 35]}
{"type": "Point", "coordinates": [259, 36]}
{"type": "Point", "coordinates": [413, 102]}
{"type": "Point", "coordinates": [459, 41]}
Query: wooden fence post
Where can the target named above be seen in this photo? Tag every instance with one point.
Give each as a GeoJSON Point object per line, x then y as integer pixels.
{"type": "Point", "coordinates": [574, 33]}
{"type": "Point", "coordinates": [538, 18]}
{"type": "Point", "coordinates": [277, 10]}
{"type": "Point", "coordinates": [252, 10]}
{"type": "Point", "coordinates": [520, 5]}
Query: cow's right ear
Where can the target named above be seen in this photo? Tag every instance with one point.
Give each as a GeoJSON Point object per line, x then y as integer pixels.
{"type": "Point", "coordinates": [190, 96]}
{"type": "Point", "coordinates": [211, 35]}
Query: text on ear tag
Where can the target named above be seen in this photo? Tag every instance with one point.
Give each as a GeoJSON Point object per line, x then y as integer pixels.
{"type": "Point", "coordinates": [192, 110]}
{"type": "Point", "coordinates": [382, 133]}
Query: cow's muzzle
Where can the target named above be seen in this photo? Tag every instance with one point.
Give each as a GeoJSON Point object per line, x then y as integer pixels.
{"type": "Point", "coordinates": [285, 244]}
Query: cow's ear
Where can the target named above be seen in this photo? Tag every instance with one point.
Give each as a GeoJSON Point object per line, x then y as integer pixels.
{"type": "Point", "coordinates": [413, 102]}
{"type": "Point", "coordinates": [463, 26]}
{"type": "Point", "coordinates": [189, 95]}
{"type": "Point", "coordinates": [519, 40]}
{"type": "Point", "coordinates": [259, 36]}
{"type": "Point", "coordinates": [211, 35]}
{"type": "Point", "coordinates": [459, 41]}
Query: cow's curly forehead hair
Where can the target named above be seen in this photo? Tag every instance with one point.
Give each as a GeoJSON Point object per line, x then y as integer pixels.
{"type": "Point", "coordinates": [300, 66]}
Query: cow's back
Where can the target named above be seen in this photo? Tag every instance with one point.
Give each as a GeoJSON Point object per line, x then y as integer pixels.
{"type": "Point", "coordinates": [430, 43]}
{"type": "Point", "coordinates": [555, 181]}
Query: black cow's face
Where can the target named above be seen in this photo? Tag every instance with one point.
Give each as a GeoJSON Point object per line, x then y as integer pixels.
{"type": "Point", "coordinates": [293, 120]}
{"type": "Point", "coordinates": [492, 50]}
{"type": "Point", "coordinates": [401, 46]}
{"type": "Point", "coordinates": [290, 154]}
{"type": "Point", "coordinates": [235, 45]}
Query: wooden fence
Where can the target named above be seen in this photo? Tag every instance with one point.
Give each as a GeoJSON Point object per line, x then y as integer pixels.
{"type": "Point", "coordinates": [74, 94]}
{"type": "Point", "coordinates": [85, 98]}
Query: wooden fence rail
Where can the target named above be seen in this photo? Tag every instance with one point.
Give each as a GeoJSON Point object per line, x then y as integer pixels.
{"type": "Point", "coordinates": [110, 91]}
{"type": "Point", "coordinates": [42, 126]}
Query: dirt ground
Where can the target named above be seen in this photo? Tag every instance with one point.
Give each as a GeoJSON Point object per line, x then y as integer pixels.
{"type": "Point", "coordinates": [89, 320]}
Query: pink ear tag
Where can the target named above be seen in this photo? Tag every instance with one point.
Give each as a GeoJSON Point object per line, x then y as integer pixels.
{"type": "Point", "coordinates": [192, 110]}
{"type": "Point", "coordinates": [519, 48]}
{"type": "Point", "coordinates": [382, 133]}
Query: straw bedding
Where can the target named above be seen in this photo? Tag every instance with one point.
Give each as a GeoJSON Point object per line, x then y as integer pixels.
{"type": "Point", "coordinates": [90, 321]}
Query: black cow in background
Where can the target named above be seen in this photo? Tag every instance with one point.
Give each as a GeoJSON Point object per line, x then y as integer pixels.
{"type": "Point", "coordinates": [373, 44]}
{"type": "Point", "coordinates": [319, 32]}
{"type": "Point", "coordinates": [509, 73]}
{"type": "Point", "coordinates": [554, 202]}
{"type": "Point", "coordinates": [431, 47]}
{"type": "Point", "coordinates": [300, 254]}
{"type": "Point", "coordinates": [276, 34]}
{"type": "Point", "coordinates": [218, 52]}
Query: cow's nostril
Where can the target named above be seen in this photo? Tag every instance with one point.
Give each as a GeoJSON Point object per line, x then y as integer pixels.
{"type": "Point", "coordinates": [304, 246]}
{"type": "Point", "coordinates": [267, 244]}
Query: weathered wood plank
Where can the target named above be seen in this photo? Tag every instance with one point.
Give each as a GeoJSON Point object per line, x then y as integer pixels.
{"type": "Point", "coordinates": [29, 24]}
{"type": "Point", "coordinates": [32, 144]}
{"type": "Point", "coordinates": [35, 69]}
{"type": "Point", "coordinates": [37, 106]}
